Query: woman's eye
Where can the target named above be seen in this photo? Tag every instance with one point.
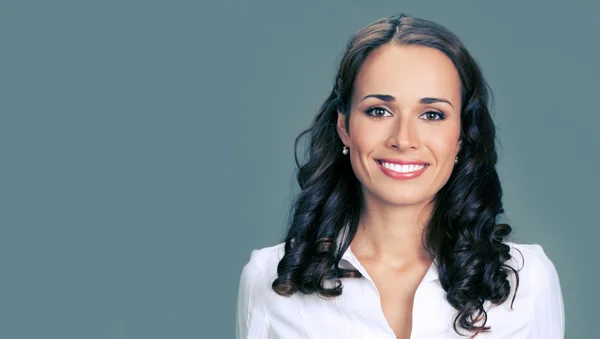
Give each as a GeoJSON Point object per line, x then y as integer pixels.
{"type": "Point", "coordinates": [377, 112]}
{"type": "Point", "coordinates": [432, 115]}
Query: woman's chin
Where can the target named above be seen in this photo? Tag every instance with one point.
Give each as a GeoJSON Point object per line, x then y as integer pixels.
{"type": "Point", "coordinates": [406, 200]}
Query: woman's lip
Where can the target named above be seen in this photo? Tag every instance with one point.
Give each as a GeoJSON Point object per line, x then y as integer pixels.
{"type": "Point", "coordinates": [401, 176]}
{"type": "Point", "coordinates": [402, 162]}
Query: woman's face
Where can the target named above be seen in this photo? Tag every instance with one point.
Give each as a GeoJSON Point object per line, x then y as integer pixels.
{"type": "Point", "coordinates": [404, 123]}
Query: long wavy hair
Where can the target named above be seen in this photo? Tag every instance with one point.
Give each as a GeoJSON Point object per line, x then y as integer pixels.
{"type": "Point", "coordinates": [462, 234]}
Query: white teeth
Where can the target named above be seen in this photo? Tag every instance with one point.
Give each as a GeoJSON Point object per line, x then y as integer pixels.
{"type": "Point", "coordinates": [402, 168]}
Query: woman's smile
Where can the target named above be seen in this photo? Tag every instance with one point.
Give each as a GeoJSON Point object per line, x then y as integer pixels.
{"type": "Point", "coordinates": [402, 171]}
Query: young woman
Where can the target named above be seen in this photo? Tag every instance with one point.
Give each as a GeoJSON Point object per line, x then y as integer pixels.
{"type": "Point", "coordinates": [395, 232]}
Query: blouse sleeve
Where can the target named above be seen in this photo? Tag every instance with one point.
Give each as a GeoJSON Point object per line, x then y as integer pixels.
{"type": "Point", "coordinates": [251, 320]}
{"type": "Point", "coordinates": [548, 310]}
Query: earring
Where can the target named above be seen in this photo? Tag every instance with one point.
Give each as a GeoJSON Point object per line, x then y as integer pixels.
{"type": "Point", "coordinates": [456, 160]}
{"type": "Point", "coordinates": [345, 150]}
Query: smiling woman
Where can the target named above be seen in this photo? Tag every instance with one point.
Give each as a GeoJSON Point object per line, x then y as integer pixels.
{"type": "Point", "coordinates": [394, 233]}
{"type": "Point", "coordinates": [401, 114]}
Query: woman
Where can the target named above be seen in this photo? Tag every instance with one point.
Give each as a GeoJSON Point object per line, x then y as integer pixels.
{"type": "Point", "coordinates": [394, 233]}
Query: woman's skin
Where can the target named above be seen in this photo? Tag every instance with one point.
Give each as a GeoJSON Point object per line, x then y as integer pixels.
{"type": "Point", "coordinates": [400, 123]}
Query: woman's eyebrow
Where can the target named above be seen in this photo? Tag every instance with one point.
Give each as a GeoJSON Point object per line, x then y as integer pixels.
{"type": "Point", "coordinates": [426, 101]}
{"type": "Point", "coordinates": [383, 97]}
{"type": "Point", "coordinates": [390, 98]}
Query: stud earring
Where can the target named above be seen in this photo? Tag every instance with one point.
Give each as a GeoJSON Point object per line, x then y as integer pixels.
{"type": "Point", "coordinates": [345, 150]}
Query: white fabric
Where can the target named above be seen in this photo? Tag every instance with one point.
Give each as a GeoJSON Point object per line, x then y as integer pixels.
{"type": "Point", "coordinates": [538, 311]}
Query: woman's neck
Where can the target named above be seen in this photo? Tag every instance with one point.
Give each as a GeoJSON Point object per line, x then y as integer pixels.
{"type": "Point", "coordinates": [392, 235]}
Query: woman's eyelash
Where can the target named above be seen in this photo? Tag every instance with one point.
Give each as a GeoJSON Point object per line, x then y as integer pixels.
{"type": "Point", "coordinates": [440, 115]}
{"type": "Point", "coordinates": [379, 112]}
{"type": "Point", "coordinates": [371, 111]}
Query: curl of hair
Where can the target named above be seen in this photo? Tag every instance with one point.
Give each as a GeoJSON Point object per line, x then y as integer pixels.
{"type": "Point", "coordinates": [463, 234]}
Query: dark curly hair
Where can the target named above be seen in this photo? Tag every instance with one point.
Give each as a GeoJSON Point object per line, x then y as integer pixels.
{"type": "Point", "coordinates": [463, 233]}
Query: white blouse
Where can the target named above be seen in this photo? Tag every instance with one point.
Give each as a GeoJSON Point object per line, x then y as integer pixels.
{"type": "Point", "coordinates": [538, 310]}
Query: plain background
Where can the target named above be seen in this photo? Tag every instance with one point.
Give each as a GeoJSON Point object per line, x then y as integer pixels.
{"type": "Point", "coordinates": [146, 148]}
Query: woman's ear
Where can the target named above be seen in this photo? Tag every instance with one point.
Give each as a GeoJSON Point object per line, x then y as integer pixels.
{"type": "Point", "coordinates": [341, 129]}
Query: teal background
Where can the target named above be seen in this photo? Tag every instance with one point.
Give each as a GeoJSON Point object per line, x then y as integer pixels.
{"type": "Point", "coordinates": [146, 148]}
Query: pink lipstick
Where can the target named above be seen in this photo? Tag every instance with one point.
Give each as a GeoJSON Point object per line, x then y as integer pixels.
{"type": "Point", "coordinates": [400, 169]}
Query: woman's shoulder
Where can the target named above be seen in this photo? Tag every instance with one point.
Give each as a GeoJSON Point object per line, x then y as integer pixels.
{"type": "Point", "coordinates": [256, 298]}
{"type": "Point", "coordinates": [537, 273]}
{"type": "Point", "coordinates": [529, 257]}
{"type": "Point", "coordinates": [538, 303]}
{"type": "Point", "coordinates": [263, 262]}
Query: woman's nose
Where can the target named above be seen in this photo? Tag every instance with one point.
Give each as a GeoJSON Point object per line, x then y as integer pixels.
{"type": "Point", "coordinates": [404, 135]}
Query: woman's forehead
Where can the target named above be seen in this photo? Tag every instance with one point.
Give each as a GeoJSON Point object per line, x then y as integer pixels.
{"type": "Point", "coordinates": [408, 72]}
